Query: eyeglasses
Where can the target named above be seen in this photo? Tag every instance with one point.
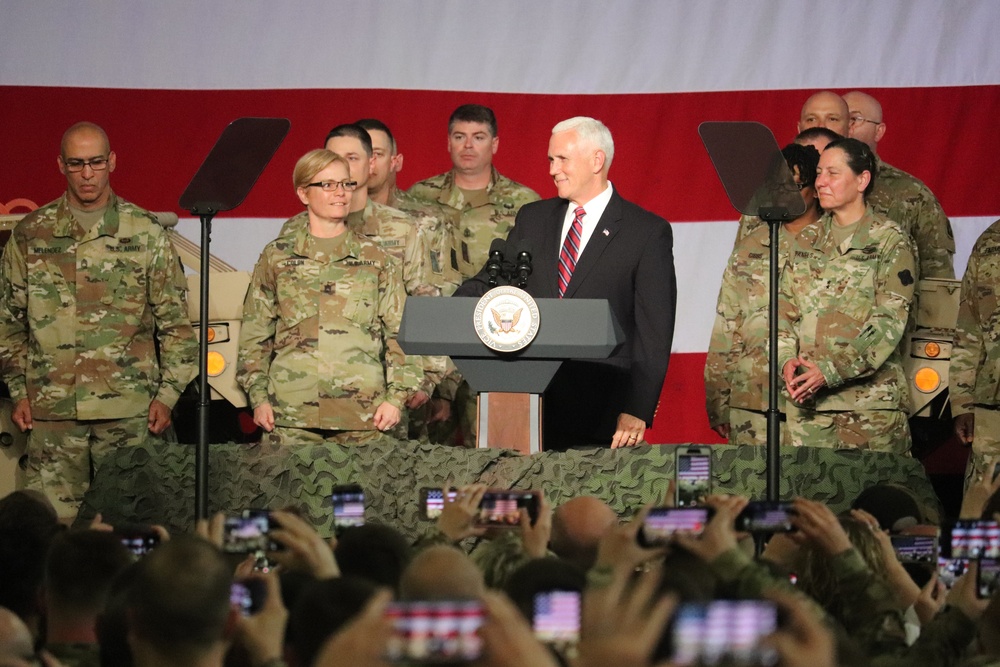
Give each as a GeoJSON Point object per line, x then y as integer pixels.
{"type": "Point", "coordinates": [333, 186]}
{"type": "Point", "coordinates": [96, 163]}
{"type": "Point", "coordinates": [857, 120]}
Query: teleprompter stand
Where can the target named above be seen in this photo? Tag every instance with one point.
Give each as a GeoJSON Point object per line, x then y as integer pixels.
{"type": "Point", "coordinates": [221, 184]}
{"type": "Point", "coordinates": [510, 384]}
{"type": "Point", "coordinates": [759, 183]}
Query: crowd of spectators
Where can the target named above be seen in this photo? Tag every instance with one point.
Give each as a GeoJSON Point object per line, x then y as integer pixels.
{"type": "Point", "coordinates": [80, 597]}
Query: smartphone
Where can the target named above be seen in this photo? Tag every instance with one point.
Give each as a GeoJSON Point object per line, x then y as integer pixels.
{"type": "Point", "coordinates": [248, 532]}
{"type": "Point", "coordinates": [662, 522]}
{"type": "Point", "coordinates": [432, 501]}
{"type": "Point", "coordinates": [501, 508]}
{"type": "Point", "coordinates": [724, 632]}
{"type": "Point", "coordinates": [556, 618]}
{"type": "Point", "coordinates": [348, 506]}
{"type": "Point", "coordinates": [139, 539]}
{"type": "Point", "coordinates": [498, 508]}
{"type": "Point", "coordinates": [762, 516]}
{"type": "Point", "coordinates": [248, 595]}
{"type": "Point", "coordinates": [950, 569]}
{"type": "Point", "coordinates": [694, 475]}
{"type": "Point", "coordinates": [915, 548]}
{"type": "Point", "coordinates": [971, 538]}
{"type": "Point", "coordinates": [435, 631]}
{"type": "Point", "coordinates": [988, 578]}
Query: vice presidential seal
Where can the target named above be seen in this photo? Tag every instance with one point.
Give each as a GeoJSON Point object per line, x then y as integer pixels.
{"type": "Point", "coordinates": [506, 319]}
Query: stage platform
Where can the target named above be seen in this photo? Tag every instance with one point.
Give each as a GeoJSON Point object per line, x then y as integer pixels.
{"type": "Point", "coordinates": [156, 484]}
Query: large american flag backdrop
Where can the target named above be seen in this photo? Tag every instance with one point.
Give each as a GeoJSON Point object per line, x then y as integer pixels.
{"type": "Point", "coordinates": [164, 79]}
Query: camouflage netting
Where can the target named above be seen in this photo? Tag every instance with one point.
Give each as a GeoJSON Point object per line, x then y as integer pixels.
{"type": "Point", "coordinates": [156, 484]}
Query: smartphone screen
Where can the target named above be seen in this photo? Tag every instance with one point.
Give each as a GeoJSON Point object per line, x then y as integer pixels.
{"type": "Point", "coordinates": [502, 508]}
{"type": "Point", "coordinates": [432, 501]}
{"type": "Point", "coordinates": [435, 631]}
{"type": "Point", "coordinates": [724, 632]}
{"type": "Point", "coordinates": [694, 475]}
{"type": "Point", "coordinates": [915, 548]}
{"type": "Point", "coordinates": [988, 578]}
{"type": "Point", "coordinates": [557, 617]}
{"type": "Point", "coordinates": [950, 569]}
{"type": "Point", "coordinates": [762, 516]}
{"type": "Point", "coordinates": [247, 533]}
{"type": "Point", "coordinates": [140, 540]}
{"type": "Point", "coordinates": [247, 596]}
{"type": "Point", "coordinates": [973, 538]}
{"type": "Point", "coordinates": [662, 522]}
{"type": "Point", "coordinates": [348, 506]}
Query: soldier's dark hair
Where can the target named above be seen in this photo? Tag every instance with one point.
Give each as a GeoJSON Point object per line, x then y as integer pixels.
{"type": "Point", "coordinates": [473, 113]}
{"type": "Point", "coordinates": [352, 130]}
{"type": "Point", "coordinates": [370, 124]}
{"type": "Point", "coordinates": [814, 133]}
{"type": "Point", "coordinates": [179, 600]}
{"type": "Point", "coordinates": [860, 158]}
{"type": "Point", "coordinates": [806, 158]}
{"type": "Point", "coordinates": [80, 567]}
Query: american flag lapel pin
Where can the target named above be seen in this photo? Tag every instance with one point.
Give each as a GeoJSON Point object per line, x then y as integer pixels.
{"type": "Point", "coordinates": [606, 232]}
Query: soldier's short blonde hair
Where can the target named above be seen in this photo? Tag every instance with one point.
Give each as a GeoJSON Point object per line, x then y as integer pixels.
{"type": "Point", "coordinates": [593, 131]}
{"type": "Point", "coordinates": [314, 162]}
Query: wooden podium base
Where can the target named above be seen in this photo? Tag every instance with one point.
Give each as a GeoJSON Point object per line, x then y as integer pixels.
{"type": "Point", "coordinates": [509, 421]}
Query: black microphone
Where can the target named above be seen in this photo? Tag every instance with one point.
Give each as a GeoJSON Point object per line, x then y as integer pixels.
{"type": "Point", "coordinates": [523, 268]}
{"type": "Point", "coordinates": [494, 265]}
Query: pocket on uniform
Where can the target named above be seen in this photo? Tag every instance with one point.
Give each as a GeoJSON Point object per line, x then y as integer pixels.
{"type": "Point", "coordinates": [360, 296]}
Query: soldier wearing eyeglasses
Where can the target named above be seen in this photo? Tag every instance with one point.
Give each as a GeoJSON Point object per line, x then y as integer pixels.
{"type": "Point", "coordinates": [903, 198]}
{"type": "Point", "coordinates": [90, 291]}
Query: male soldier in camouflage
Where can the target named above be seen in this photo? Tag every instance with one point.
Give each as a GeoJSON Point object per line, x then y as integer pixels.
{"type": "Point", "coordinates": [483, 202]}
{"type": "Point", "coordinates": [318, 353]}
{"type": "Point", "coordinates": [903, 198]}
{"type": "Point", "coordinates": [433, 257]}
{"type": "Point", "coordinates": [974, 376]}
{"type": "Point", "coordinates": [736, 367]}
{"type": "Point", "coordinates": [482, 205]}
{"type": "Point", "coordinates": [86, 282]}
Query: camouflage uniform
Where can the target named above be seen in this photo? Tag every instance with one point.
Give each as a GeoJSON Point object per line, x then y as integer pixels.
{"type": "Point", "coordinates": [477, 223]}
{"type": "Point", "coordinates": [736, 367]}
{"type": "Point", "coordinates": [975, 359]}
{"type": "Point", "coordinates": [80, 309]}
{"type": "Point", "coordinates": [845, 308]}
{"type": "Point", "coordinates": [472, 225]}
{"type": "Point", "coordinates": [316, 329]}
{"type": "Point", "coordinates": [905, 200]}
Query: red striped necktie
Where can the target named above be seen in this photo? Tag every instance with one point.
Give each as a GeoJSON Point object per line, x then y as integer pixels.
{"type": "Point", "coordinates": [570, 250]}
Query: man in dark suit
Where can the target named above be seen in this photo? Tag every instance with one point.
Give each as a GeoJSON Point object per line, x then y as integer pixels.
{"type": "Point", "coordinates": [616, 251]}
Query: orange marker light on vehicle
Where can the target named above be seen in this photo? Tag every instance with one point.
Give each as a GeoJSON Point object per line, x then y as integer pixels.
{"type": "Point", "coordinates": [927, 380]}
{"type": "Point", "coordinates": [216, 364]}
{"type": "Point", "coordinates": [932, 349]}
{"type": "Point", "coordinates": [211, 334]}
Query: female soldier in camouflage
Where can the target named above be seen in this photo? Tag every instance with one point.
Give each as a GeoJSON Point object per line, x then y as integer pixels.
{"type": "Point", "coordinates": [322, 312]}
{"type": "Point", "coordinates": [845, 298]}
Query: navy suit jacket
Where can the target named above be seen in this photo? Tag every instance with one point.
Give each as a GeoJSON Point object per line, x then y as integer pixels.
{"type": "Point", "coordinates": [628, 261]}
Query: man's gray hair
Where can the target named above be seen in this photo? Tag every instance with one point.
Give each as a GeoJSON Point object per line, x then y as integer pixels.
{"type": "Point", "coordinates": [593, 131]}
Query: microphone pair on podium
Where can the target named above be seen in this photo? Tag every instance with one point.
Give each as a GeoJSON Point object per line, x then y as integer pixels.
{"type": "Point", "coordinates": [513, 272]}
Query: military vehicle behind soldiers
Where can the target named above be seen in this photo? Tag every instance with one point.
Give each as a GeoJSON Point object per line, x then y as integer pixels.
{"type": "Point", "coordinates": [926, 357]}
{"type": "Point", "coordinates": [228, 286]}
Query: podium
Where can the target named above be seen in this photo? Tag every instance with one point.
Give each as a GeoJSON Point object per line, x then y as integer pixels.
{"type": "Point", "coordinates": [509, 385]}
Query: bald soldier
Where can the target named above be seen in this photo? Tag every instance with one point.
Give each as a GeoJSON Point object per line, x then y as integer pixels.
{"type": "Point", "coordinates": [825, 109]}
{"type": "Point", "coordinates": [903, 198]}
{"type": "Point", "coordinates": [95, 341]}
